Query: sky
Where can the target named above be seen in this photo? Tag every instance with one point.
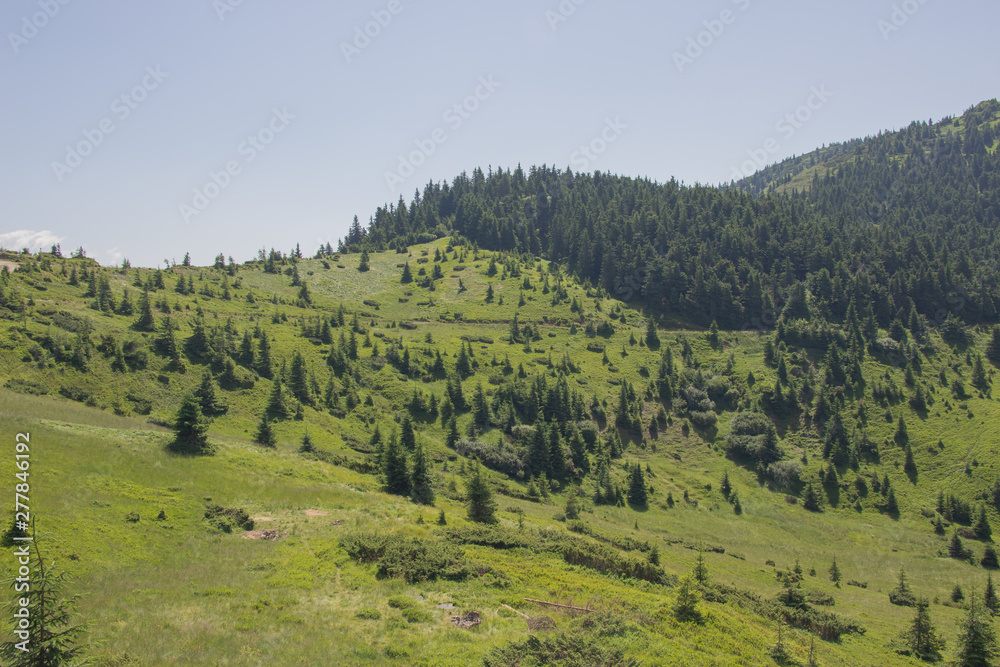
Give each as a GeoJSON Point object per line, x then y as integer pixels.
{"type": "Point", "coordinates": [143, 130]}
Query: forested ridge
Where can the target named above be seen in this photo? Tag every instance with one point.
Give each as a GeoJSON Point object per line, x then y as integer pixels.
{"type": "Point", "coordinates": [898, 221]}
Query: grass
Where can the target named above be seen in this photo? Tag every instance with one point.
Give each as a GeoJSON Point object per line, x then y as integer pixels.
{"type": "Point", "coordinates": [178, 590]}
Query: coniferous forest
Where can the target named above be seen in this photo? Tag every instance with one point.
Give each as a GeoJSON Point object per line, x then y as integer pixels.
{"type": "Point", "coordinates": [533, 416]}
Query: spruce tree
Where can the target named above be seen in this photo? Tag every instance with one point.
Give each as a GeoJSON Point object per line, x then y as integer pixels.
{"type": "Point", "coordinates": [637, 493]}
{"type": "Point", "coordinates": [977, 642]}
{"type": "Point", "coordinates": [407, 275]}
{"type": "Point", "coordinates": [990, 596]}
{"type": "Point", "coordinates": [921, 635]}
{"type": "Point", "coordinates": [145, 321]}
{"type": "Point", "coordinates": [394, 468]}
{"type": "Point", "coordinates": [207, 395]}
{"type": "Point", "coordinates": [52, 639]}
{"type": "Point", "coordinates": [265, 433]}
{"type": "Point", "coordinates": [307, 446]}
{"type": "Point", "coordinates": [190, 428]}
{"type": "Point", "coordinates": [993, 347]}
{"type": "Point", "coordinates": [363, 264]}
{"type": "Point", "coordinates": [686, 603]}
{"type": "Point", "coordinates": [479, 498]}
{"type": "Point", "coordinates": [835, 573]}
{"type": "Point", "coordinates": [420, 480]}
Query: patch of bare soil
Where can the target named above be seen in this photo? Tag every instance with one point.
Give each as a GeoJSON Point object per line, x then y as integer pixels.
{"type": "Point", "coordinates": [316, 513]}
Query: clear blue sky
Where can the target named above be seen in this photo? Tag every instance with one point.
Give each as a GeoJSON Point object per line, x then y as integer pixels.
{"type": "Point", "coordinates": [199, 77]}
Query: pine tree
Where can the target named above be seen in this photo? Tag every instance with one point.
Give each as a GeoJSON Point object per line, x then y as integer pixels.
{"type": "Point", "coordinates": [992, 348]}
{"type": "Point", "coordinates": [835, 573]}
{"type": "Point", "coordinates": [307, 446]}
{"type": "Point", "coordinates": [407, 275]}
{"type": "Point", "coordinates": [982, 528]}
{"type": "Point", "coordinates": [207, 395]}
{"type": "Point", "coordinates": [277, 404]}
{"type": "Point", "coordinates": [990, 596]}
{"type": "Point", "coordinates": [726, 487]}
{"type": "Point", "coordinates": [190, 428]}
{"type": "Point", "coordinates": [902, 595]}
{"type": "Point", "coordinates": [51, 640]}
{"type": "Point", "coordinates": [265, 433]}
{"type": "Point", "coordinates": [979, 379]}
{"type": "Point", "coordinates": [686, 603]}
{"type": "Point", "coordinates": [909, 465]}
{"type": "Point", "coordinates": [700, 572]}
{"type": "Point", "coordinates": [810, 499]}
{"type": "Point", "coordinates": [145, 321]}
{"type": "Point", "coordinates": [394, 468]}
{"type": "Point", "coordinates": [481, 507]}
{"type": "Point", "coordinates": [363, 265]}
{"type": "Point", "coordinates": [921, 635]}
{"type": "Point", "coordinates": [420, 480]}
{"type": "Point", "coordinates": [901, 437]}
{"type": "Point", "coordinates": [637, 493]}
{"type": "Point", "coordinates": [977, 642]}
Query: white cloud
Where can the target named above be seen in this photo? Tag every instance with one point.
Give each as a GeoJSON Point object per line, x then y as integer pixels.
{"type": "Point", "coordinates": [26, 238]}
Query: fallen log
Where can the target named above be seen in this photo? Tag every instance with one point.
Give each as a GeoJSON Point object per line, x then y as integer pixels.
{"type": "Point", "coordinates": [556, 604]}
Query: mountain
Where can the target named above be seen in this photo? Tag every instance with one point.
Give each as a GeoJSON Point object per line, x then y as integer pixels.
{"type": "Point", "coordinates": [726, 422]}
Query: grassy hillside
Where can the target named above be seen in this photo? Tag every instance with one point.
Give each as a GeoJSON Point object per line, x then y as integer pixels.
{"type": "Point", "coordinates": [98, 396]}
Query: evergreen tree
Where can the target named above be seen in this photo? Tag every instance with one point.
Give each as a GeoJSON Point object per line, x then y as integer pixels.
{"type": "Point", "coordinates": [921, 636]}
{"type": "Point", "coordinates": [686, 603]}
{"type": "Point", "coordinates": [637, 493]}
{"type": "Point", "coordinates": [407, 275]}
{"type": "Point", "coordinates": [190, 428]}
{"type": "Point", "coordinates": [902, 595]}
{"type": "Point", "coordinates": [990, 599]}
{"type": "Point", "coordinates": [979, 379]}
{"type": "Point", "coordinates": [408, 439]}
{"type": "Point", "coordinates": [395, 469]}
{"type": "Point", "coordinates": [700, 572]}
{"type": "Point", "coordinates": [982, 528]}
{"type": "Point", "coordinates": [481, 507]}
{"type": "Point", "coordinates": [51, 638]}
{"type": "Point", "coordinates": [726, 487]}
{"type": "Point", "coordinates": [977, 642]}
{"type": "Point", "coordinates": [145, 321]}
{"type": "Point", "coordinates": [835, 573]}
{"type": "Point", "coordinates": [420, 480]}
{"type": "Point", "coordinates": [207, 395]}
{"type": "Point", "coordinates": [992, 348]}
{"type": "Point", "coordinates": [265, 433]}
{"type": "Point", "coordinates": [363, 265]}
{"type": "Point", "coordinates": [277, 404]}
{"type": "Point", "coordinates": [810, 499]}
{"type": "Point", "coordinates": [264, 364]}
{"type": "Point", "coordinates": [307, 446]}
{"type": "Point", "coordinates": [909, 466]}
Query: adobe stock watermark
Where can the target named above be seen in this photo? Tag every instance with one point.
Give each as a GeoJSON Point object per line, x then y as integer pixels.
{"type": "Point", "coordinates": [899, 17]}
{"type": "Point", "coordinates": [248, 150]}
{"type": "Point", "coordinates": [121, 108]}
{"type": "Point", "coordinates": [223, 7]}
{"type": "Point", "coordinates": [562, 13]}
{"type": "Point", "coordinates": [455, 116]}
{"type": "Point", "coordinates": [787, 126]}
{"type": "Point", "coordinates": [30, 25]}
{"type": "Point", "coordinates": [714, 29]}
{"type": "Point", "coordinates": [588, 153]}
{"type": "Point", "coordinates": [363, 35]}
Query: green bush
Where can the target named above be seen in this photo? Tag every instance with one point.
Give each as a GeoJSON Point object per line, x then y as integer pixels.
{"type": "Point", "coordinates": [365, 546]}
{"type": "Point", "coordinates": [368, 614]}
{"type": "Point", "coordinates": [416, 616]}
{"type": "Point", "coordinates": [415, 560]}
{"type": "Point", "coordinates": [568, 650]}
{"type": "Point", "coordinates": [401, 602]}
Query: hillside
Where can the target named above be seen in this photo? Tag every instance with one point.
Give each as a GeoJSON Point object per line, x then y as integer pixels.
{"type": "Point", "coordinates": [562, 392]}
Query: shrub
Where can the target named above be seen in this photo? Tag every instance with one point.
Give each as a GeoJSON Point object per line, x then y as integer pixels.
{"type": "Point", "coordinates": [365, 546]}
{"type": "Point", "coordinates": [415, 560]}
{"type": "Point", "coordinates": [224, 518]}
{"type": "Point", "coordinates": [416, 616]}
{"type": "Point", "coordinates": [752, 435]}
{"type": "Point", "coordinates": [368, 614]}
{"type": "Point", "coordinates": [563, 649]}
{"type": "Point", "coordinates": [401, 602]}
